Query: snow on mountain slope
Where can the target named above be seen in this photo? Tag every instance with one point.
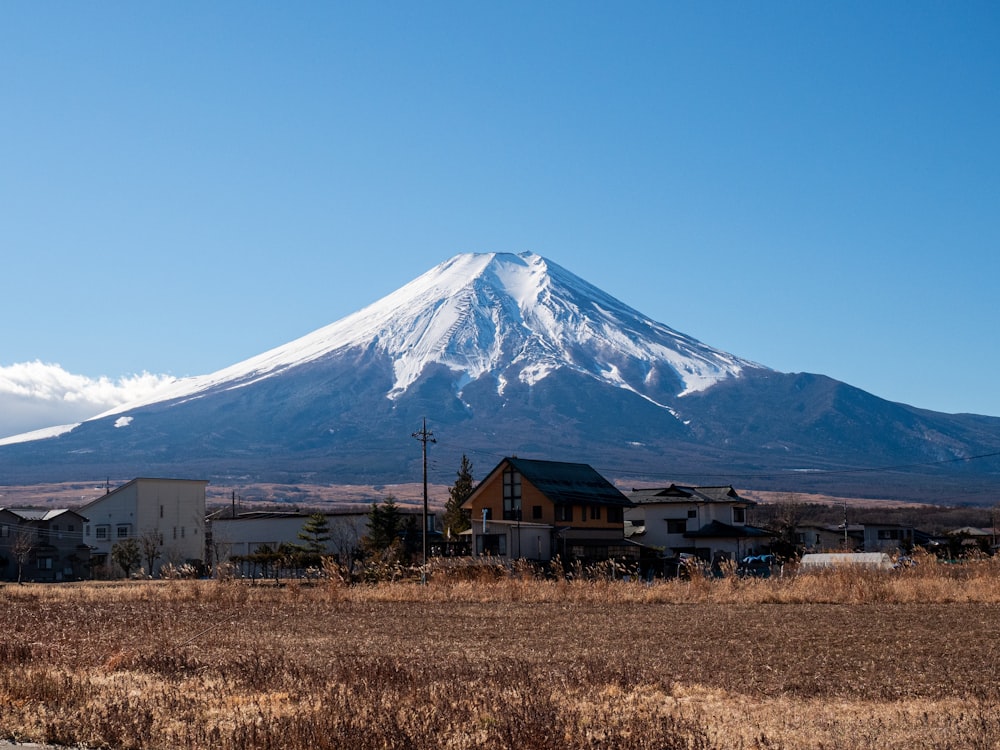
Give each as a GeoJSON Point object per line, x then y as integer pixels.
{"type": "Point", "coordinates": [497, 313]}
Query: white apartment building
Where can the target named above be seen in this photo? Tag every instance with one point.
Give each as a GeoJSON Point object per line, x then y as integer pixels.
{"type": "Point", "coordinates": [171, 509]}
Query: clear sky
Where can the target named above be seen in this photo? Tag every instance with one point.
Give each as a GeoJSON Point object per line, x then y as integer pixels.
{"type": "Point", "coordinates": [813, 186]}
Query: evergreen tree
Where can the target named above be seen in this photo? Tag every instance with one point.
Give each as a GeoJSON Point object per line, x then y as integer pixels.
{"type": "Point", "coordinates": [315, 534]}
{"type": "Point", "coordinates": [455, 518]}
{"type": "Point", "coordinates": [385, 523]}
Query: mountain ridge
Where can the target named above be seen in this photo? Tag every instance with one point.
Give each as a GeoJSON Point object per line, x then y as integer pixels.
{"type": "Point", "coordinates": [508, 353]}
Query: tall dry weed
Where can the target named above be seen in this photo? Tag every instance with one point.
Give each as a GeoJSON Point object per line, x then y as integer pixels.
{"type": "Point", "coordinates": [509, 658]}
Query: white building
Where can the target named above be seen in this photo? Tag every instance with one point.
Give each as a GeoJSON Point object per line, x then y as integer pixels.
{"type": "Point", "coordinates": [707, 522]}
{"type": "Point", "coordinates": [170, 510]}
{"type": "Point", "coordinates": [248, 532]}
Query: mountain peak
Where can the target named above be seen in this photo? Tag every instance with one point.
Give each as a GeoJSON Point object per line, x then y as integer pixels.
{"type": "Point", "coordinates": [522, 316]}
{"type": "Point", "coordinates": [506, 315]}
{"type": "Point", "coordinates": [506, 352]}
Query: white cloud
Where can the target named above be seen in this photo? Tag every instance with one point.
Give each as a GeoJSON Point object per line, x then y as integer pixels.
{"type": "Point", "coordinates": [34, 395]}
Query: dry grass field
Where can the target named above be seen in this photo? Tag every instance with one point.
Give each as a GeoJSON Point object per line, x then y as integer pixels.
{"type": "Point", "coordinates": [834, 660]}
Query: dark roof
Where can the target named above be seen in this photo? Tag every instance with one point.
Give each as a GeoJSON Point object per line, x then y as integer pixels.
{"type": "Point", "coordinates": [36, 514]}
{"type": "Point", "coordinates": [567, 483]}
{"type": "Point", "coordinates": [676, 493]}
{"type": "Point", "coordinates": [719, 530]}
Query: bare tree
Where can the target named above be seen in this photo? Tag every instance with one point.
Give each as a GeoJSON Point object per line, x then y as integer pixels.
{"type": "Point", "coordinates": [150, 542]}
{"type": "Point", "coordinates": [346, 540]}
{"type": "Point", "coordinates": [789, 513]}
{"type": "Point", "coordinates": [21, 549]}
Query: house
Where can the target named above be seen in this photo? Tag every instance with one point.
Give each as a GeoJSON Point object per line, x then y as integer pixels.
{"type": "Point", "coordinates": [827, 537]}
{"type": "Point", "coordinates": [170, 512]}
{"type": "Point", "coordinates": [42, 545]}
{"type": "Point", "coordinates": [535, 510]}
{"type": "Point", "coordinates": [888, 537]}
{"type": "Point", "coordinates": [966, 539]}
{"type": "Point", "coordinates": [709, 523]}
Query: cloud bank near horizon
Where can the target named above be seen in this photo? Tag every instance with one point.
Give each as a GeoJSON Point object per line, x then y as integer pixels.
{"type": "Point", "coordinates": [34, 395]}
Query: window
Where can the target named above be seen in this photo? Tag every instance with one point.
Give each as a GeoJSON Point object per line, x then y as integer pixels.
{"type": "Point", "coordinates": [429, 521]}
{"type": "Point", "coordinates": [693, 513]}
{"type": "Point", "coordinates": [511, 495]}
{"type": "Point", "coordinates": [887, 534]}
{"type": "Point", "coordinates": [123, 531]}
{"type": "Point", "coordinates": [4, 530]}
{"type": "Point", "coordinates": [595, 512]}
{"type": "Point", "coordinates": [491, 544]}
{"type": "Point", "coordinates": [536, 512]}
{"type": "Point", "coordinates": [161, 511]}
{"type": "Point", "coordinates": [677, 525]}
{"type": "Point", "coordinates": [739, 515]}
{"type": "Point", "coordinates": [616, 515]}
{"type": "Point", "coordinates": [103, 532]}
{"type": "Point", "coordinates": [71, 527]}
{"type": "Point", "coordinates": [564, 512]}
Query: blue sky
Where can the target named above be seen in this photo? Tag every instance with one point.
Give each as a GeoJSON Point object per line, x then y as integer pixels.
{"type": "Point", "coordinates": [813, 186]}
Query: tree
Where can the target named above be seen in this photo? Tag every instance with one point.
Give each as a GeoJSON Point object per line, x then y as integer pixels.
{"type": "Point", "coordinates": [21, 549]}
{"type": "Point", "coordinates": [788, 514]}
{"type": "Point", "coordinates": [385, 523]}
{"type": "Point", "coordinates": [346, 538]}
{"type": "Point", "coordinates": [149, 548]}
{"type": "Point", "coordinates": [315, 533]}
{"type": "Point", "coordinates": [455, 519]}
{"type": "Point", "coordinates": [127, 555]}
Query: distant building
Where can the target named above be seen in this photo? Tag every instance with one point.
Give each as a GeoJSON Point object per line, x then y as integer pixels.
{"type": "Point", "coordinates": [709, 523]}
{"type": "Point", "coordinates": [812, 537]}
{"type": "Point", "coordinates": [535, 510]}
{"type": "Point", "coordinates": [50, 543]}
{"type": "Point", "coordinates": [888, 537]}
{"type": "Point", "coordinates": [249, 532]}
{"type": "Point", "coordinates": [171, 511]}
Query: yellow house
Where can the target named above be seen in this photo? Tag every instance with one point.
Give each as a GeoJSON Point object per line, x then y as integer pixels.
{"type": "Point", "coordinates": [536, 510]}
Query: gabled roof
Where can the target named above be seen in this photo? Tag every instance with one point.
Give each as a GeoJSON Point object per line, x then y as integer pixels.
{"type": "Point", "coordinates": [676, 493]}
{"type": "Point", "coordinates": [563, 483]}
{"type": "Point", "coordinates": [37, 514]}
{"type": "Point", "coordinates": [970, 531]}
{"type": "Point", "coordinates": [131, 482]}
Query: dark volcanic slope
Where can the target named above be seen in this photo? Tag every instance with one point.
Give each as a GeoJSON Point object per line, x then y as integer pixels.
{"type": "Point", "coordinates": [513, 355]}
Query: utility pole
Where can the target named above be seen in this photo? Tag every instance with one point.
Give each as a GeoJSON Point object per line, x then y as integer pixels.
{"type": "Point", "coordinates": [424, 437]}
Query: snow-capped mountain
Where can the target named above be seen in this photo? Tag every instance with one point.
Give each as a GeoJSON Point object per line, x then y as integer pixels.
{"type": "Point", "coordinates": [499, 315]}
{"type": "Point", "coordinates": [512, 354]}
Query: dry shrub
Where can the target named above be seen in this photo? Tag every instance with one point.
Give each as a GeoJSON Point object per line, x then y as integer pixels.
{"type": "Point", "coordinates": [481, 657]}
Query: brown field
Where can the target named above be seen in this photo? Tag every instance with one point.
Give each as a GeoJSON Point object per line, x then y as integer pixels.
{"type": "Point", "coordinates": [837, 660]}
